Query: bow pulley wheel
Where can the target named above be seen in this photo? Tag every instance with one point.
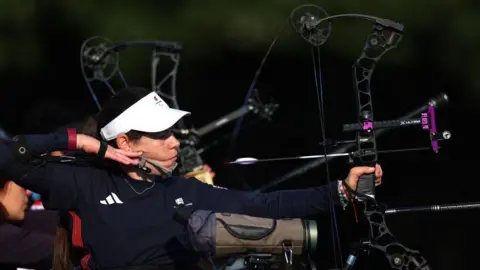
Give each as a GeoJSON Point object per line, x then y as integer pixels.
{"type": "Point", "coordinates": [98, 62]}
{"type": "Point", "coordinates": [305, 20]}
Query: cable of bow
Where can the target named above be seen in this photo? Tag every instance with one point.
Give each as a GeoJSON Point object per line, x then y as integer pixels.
{"type": "Point", "coordinates": [301, 18]}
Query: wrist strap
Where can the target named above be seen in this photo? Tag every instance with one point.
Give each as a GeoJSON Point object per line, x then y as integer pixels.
{"type": "Point", "coordinates": [350, 192]}
{"type": "Point", "coordinates": [102, 150]}
{"type": "Point", "coordinates": [346, 191]}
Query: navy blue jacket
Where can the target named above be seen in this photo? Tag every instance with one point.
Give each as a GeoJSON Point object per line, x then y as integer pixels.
{"type": "Point", "coordinates": [129, 222]}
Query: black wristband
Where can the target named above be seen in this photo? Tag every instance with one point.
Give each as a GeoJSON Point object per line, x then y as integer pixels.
{"type": "Point", "coordinates": [102, 150]}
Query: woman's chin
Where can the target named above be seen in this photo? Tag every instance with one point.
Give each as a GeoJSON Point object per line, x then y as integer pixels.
{"type": "Point", "coordinates": [170, 165]}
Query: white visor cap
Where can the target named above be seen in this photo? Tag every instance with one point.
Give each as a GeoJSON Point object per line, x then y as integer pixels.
{"type": "Point", "coordinates": [149, 114]}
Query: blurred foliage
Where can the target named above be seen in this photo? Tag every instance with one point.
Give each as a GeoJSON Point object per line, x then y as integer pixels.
{"type": "Point", "coordinates": [445, 30]}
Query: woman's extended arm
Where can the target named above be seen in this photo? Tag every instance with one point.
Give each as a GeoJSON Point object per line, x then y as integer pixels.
{"type": "Point", "coordinates": [298, 203]}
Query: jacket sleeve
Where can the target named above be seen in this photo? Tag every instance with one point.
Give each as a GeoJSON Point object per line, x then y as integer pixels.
{"type": "Point", "coordinates": [15, 151]}
{"type": "Point", "coordinates": [299, 203]}
{"type": "Point", "coordinates": [34, 144]}
{"type": "Point", "coordinates": [59, 184]}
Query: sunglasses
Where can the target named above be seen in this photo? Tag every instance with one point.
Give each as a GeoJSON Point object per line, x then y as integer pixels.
{"type": "Point", "coordinates": [163, 135]}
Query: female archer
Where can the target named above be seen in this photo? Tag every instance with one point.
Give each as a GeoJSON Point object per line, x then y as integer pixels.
{"type": "Point", "coordinates": [127, 206]}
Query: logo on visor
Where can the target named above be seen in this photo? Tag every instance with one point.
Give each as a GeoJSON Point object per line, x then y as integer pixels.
{"type": "Point", "coordinates": [160, 102]}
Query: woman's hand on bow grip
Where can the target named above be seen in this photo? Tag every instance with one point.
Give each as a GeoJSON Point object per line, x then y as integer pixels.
{"type": "Point", "coordinates": [91, 146]}
{"type": "Point", "coordinates": [356, 172]}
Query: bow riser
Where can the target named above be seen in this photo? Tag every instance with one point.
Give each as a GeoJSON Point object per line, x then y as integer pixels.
{"type": "Point", "coordinates": [381, 40]}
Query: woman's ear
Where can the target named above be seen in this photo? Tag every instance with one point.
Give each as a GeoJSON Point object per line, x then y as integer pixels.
{"type": "Point", "coordinates": [123, 142]}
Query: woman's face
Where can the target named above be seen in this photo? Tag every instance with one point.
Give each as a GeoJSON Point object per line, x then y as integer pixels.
{"type": "Point", "coordinates": [15, 200]}
{"type": "Point", "coordinates": [161, 147]}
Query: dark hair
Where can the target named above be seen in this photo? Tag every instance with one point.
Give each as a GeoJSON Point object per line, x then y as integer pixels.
{"type": "Point", "coordinates": [117, 105]}
{"type": "Point", "coordinates": [62, 257]}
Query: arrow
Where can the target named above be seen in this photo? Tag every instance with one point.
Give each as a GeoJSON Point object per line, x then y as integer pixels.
{"type": "Point", "coordinates": [252, 160]}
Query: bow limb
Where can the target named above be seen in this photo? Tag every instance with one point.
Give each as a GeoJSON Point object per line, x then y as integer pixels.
{"type": "Point", "coordinates": [191, 163]}
{"type": "Point", "coordinates": [166, 86]}
{"type": "Point", "coordinates": [398, 256]}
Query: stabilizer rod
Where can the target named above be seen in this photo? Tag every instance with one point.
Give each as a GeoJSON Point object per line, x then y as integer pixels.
{"type": "Point", "coordinates": [434, 208]}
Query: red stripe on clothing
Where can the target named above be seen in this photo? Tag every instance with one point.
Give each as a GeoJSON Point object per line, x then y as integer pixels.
{"type": "Point", "coordinates": [84, 262]}
{"type": "Point", "coordinates": [72, 139]}
{"type": "Point", "coordinates": [77, 240]}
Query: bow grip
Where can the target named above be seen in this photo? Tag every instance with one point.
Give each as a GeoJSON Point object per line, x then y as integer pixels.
{"type": "Point", "coordinates": [366, 186]}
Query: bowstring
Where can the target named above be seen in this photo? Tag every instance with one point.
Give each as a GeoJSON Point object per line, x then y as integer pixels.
{"type": "Point", "coordinates": [239, 121]}
{"type": "Point", "coordinates": [317, 70]}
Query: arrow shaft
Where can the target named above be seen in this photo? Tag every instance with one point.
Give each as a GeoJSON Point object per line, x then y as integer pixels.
{"type": "Point", "coordinates": [324, 156]}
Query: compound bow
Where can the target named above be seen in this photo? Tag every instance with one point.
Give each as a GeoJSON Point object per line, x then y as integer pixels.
{"type": "Point", "coordinates": [385, 35]}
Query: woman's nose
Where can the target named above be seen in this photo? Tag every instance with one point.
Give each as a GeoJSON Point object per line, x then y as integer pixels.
{"type": "Point", "coordinates": [28, 192]}
{"type": "Point", "coordinates": [174, 142]}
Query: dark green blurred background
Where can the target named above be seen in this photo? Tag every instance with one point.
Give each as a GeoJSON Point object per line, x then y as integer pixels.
{"type": "Point", "coordinates": [224, 42]}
